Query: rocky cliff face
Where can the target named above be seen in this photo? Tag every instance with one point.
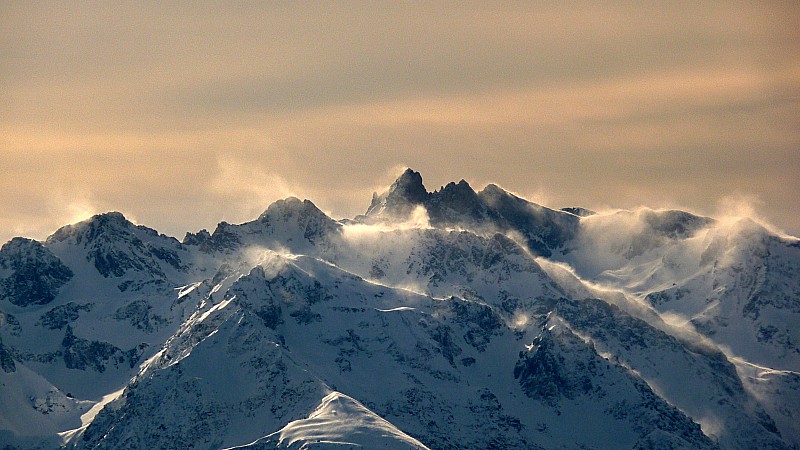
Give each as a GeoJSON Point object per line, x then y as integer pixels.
{"type": "Point", "coordinates": [33, 275]}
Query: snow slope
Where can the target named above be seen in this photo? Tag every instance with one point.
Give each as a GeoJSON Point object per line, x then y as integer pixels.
{"type": "Point", "coordinates": [338, 422]}
{"type": "Point", "coordinates": [293, 328]}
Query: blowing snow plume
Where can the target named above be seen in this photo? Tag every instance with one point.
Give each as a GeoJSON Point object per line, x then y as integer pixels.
{"type": "Point", "coordinates": [417, 219]}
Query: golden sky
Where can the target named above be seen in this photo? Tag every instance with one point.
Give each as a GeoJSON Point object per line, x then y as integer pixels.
{"type": "Point", "coordinates": [181, 116]}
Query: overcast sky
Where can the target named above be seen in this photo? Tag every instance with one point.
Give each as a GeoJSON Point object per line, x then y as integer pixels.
{"type": "Point", "coordinates": [183, 116]}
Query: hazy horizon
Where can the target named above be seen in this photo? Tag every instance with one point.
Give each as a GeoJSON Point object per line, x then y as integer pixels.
{"type": "Point", "coordinates": [184, 116]}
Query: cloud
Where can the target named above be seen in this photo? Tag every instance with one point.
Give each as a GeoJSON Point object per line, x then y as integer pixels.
{"type": "Point", "coordinates": [272, 261]}
{"type": "Point", "coordinates": [248, 188]}
{"type": "Point", "coordinates": [144, 106]}
{"type": "Point", "coordinates": [736, 208]}
{"type": "Point", "coordinates": [418, 220]}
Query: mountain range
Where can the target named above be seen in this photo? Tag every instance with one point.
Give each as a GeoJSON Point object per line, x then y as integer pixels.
{"type": "Point", "coordinates": [450, 319]}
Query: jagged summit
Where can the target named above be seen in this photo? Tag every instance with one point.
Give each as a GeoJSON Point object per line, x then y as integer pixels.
{"type": "Point", "coordinates": [289, 207]}
{"type": "Point", "coordinates": [105, 225]}
{"type": "Point", "coordinates": [19, 246]}
{"type": "Point", "coordinates": [408, 192]}
{"type": "Point", "coordinates": [34, 273]}
{"type": "Point", "coordinates": [457, 205]}
{"type": "Point", "coordinates": [196, 238]}
{"type": "Point", "coordinates": [456, 191]}
{"type": "Point", "coordinates": [410, 183]}
{"type": "Point", "coordinates": [405, 194]}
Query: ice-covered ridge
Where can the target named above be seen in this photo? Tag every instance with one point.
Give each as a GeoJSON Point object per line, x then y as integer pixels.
{"type": "Point", "coordinates": [338, 421]}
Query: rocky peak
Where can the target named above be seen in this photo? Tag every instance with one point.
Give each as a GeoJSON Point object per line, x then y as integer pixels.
{"type": "Point", "coordinates": [456, 191]}
{"type": "Point", "coordinates": [111, 217]}
{"type": "Point", "coordinates": [198, 238]}
{"type": "Point", "coordinates": [493, 195]}
{"type": "Point", "coordinates": [110, 226]}
{"type": "Point", "coordinates": [303, 215]}
{"type": "Point", "coordinates": [19, 251]}
{"type": "Point", "coordinates": [22, 252]}
{"type": "Point", "coordinates": [409, 186]}
{"type": "Point", "coordinates": [224, 238]}
{"type": "Point", "coordinates": [291, 207]}
{"type": "Point", "coordinates": [403, 196]}
{"type": "Point", "coordinates": [35, 275]}
{"type": "Point", "coordinates": [493, 209]}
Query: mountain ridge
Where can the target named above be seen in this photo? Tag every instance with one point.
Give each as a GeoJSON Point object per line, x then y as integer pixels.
{"type": "Point", "coordinates": [496, 322]}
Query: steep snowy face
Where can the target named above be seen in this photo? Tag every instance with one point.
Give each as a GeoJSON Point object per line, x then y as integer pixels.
{"type": "Point", "coordinates": [744, 294]}
{"type": "Point", "coordinates": [716, 398]}
{"type": "Point", "coordinates": [544, 230]}
{"type": "Point", "coordinates": [249, 368]}
{"type": "Point", "coordinates": [493, 269]}
{"type": "Point", "coordinates": [228, 375]}
{"type": "Point", "coordinates": [560, 370]}
{"type": "Point", "coordinates": [733, 281]}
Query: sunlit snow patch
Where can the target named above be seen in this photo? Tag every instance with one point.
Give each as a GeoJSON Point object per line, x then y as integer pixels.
{"type": "Point", "coordinates": [401, 308]}
{"type": "Point", "coordinates": [339, 421]}
{"type": "Point", "coordinates": [186, 290]}
{"type": "Point", "coordinates": [88, 416]}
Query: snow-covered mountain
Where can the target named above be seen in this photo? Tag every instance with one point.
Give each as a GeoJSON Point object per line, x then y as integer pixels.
{"type": "Point", "coordinates": [450, 319]}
